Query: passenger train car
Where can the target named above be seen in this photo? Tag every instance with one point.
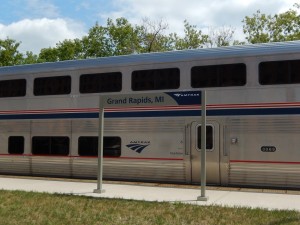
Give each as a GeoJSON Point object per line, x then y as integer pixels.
{"type": "Point", "coordinates": [49, 117]}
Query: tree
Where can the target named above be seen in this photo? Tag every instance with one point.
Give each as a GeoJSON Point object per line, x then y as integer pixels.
{"type": "Point", "coordinates": [96, 43]}
{"type": "Point", "coordinates": [222, 36]}
{"type": "Point", "coordinates": [193, 38]}
{"type": "Point", "coordinates": [285, 26]}
{"type": "Point", "coordinates": [152, 37]}
{"type": "Point", "coordinates": [9, 54]}
{"type": "Point", "coordinates": [256, 28]}
{"type": "Point", "coordinates": [30, 58]}
{"type": "Point", "coordinates": [123, 37]}
{"type": "Point", "coordinates": [69, 50]}
{"type": "Point", "coordinates": [262, 28]}
{"type": "Point", "coordinates": [48, 55]}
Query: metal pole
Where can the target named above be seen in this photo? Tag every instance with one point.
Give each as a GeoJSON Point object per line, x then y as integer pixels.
{"type": "Point", "coordinates": [100, 149]}
{"type": "Point", "coordinates": [203, 147]}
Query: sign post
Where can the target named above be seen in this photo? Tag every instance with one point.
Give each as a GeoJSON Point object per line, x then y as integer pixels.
{"type": "Point", "coordinates": [100, 149]}
{"type": "Point", "coordinates": [138, 100]}
{"type": "Point", "coordinates": [203, 197]}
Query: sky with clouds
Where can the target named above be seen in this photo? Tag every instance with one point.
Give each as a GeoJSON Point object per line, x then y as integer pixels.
{"type": "Point", "coordinates": [43, 23]}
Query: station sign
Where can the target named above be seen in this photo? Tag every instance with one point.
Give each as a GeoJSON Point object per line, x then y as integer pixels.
{"type": "Point", "coordinates": [151, 99]}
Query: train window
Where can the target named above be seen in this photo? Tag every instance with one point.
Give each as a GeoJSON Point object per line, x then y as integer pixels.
{"type": "Point", "coordinates": [156, 79]}
{"type": "Point", "coordinates": [279, 72]}
{"type": "Point", "coordinates": [59, 85]}
{"type": "Point", "coordinates": [42, 145]}
{"type": "Point", "coordinates": [12, 88]}
{"type": "Point", "coordinates": [88, 146]}
{"type": "Point", "coordinates": [100, 82]}
{"type": "Point", "coordinates": [209, 137]}
{"type": "Point", "coordinates": [16, 145]}
{"type": "Point", "coordinates": [226, 75]}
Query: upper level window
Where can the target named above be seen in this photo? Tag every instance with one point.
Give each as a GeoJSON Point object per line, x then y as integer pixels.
{"type": "Point", "coordinates": [218, 75]}
{"type": "Point", "coordinates": [88, 146]}
{"type": "Point", "coordinates": [12, 88]}
{"type": "Point", "coordinates": [279, 72]}
{"type": "Point", "coordinates": [155, 79]}
{"type": "Point", "coordinates": [59, 85]}
{"type": "Point", "coordinates": [100, 82]}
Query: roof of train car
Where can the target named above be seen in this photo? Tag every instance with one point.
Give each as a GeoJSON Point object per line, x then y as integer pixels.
{"type": "Point", "coordinates": [159, 57]}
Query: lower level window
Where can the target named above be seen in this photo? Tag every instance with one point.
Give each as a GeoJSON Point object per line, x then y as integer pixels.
{"type": "Point", "coordinates": [42, 145]}
{"type": "Point", "coordinates": [88, 146]}
{"type": "Point", "coordinates": [16, 145]}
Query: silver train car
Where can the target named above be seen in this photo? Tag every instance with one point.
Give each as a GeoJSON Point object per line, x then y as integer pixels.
{"type": "Point", "coordinates": [49, 117]}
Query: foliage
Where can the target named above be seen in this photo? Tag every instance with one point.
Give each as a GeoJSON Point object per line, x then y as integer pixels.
{"type": "Point", "coordinates": [152, 37]}
{"type": "Point", "coordinates": [69, 49]}
{"type": "Point", "coordinates": [193, 38]}
{"type": "Point", "coordinates": [120, 37]}
{"type": "Point", "coordinates": [222, 36]}
{"type": "Point", "coordinates": [96, 44]}
{"type": "Point", "coordinates": [30, 58]}
{"type": "Point", "coordinates": [48, 55]}
{"type": "Point", "coordinates": [9, 54]}
{"type": "Point", "coordinates": [256, 28]}
{"type": "Point", "coordinates": [123, 38]}
{"type": "Point", "coordinates": [261, 28]}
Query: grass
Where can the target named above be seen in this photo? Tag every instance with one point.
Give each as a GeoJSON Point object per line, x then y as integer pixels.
{"type": "Point", "coordinates": [17, 207]}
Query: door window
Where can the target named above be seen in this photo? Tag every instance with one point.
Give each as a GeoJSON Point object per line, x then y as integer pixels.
{"type": "Point", "coordinates": [209, 138]}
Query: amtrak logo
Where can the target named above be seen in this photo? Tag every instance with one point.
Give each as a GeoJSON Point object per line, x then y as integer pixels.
{"type": "Point", "coordinates": [187, 95]}
{"type": "Point", "coordinates": [138, 146]}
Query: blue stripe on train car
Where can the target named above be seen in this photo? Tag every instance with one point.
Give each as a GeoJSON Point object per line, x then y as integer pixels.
{"type": "Point", "coordinates": [166, 113]}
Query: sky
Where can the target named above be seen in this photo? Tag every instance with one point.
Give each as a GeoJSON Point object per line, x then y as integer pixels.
{"type": "Point", "coordinates": [41, 24]}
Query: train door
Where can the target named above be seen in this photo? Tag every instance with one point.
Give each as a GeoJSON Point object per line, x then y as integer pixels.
{"type": "Point", "coordinates": [212, 153]}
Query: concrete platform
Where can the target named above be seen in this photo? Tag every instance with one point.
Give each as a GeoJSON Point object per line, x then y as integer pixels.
{"type": "Point", "coordinates": [232, 197]}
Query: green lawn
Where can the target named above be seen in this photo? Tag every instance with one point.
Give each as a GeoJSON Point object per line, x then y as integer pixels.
{"type": "Point", "coordinates": [21, 208]}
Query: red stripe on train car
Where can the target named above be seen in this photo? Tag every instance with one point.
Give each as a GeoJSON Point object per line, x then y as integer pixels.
{"type": "Point", "coordinates": [261, 162]}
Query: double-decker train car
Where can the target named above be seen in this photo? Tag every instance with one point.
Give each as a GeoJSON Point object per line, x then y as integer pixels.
{"type": "Point", "coordinates": [49, 117]}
